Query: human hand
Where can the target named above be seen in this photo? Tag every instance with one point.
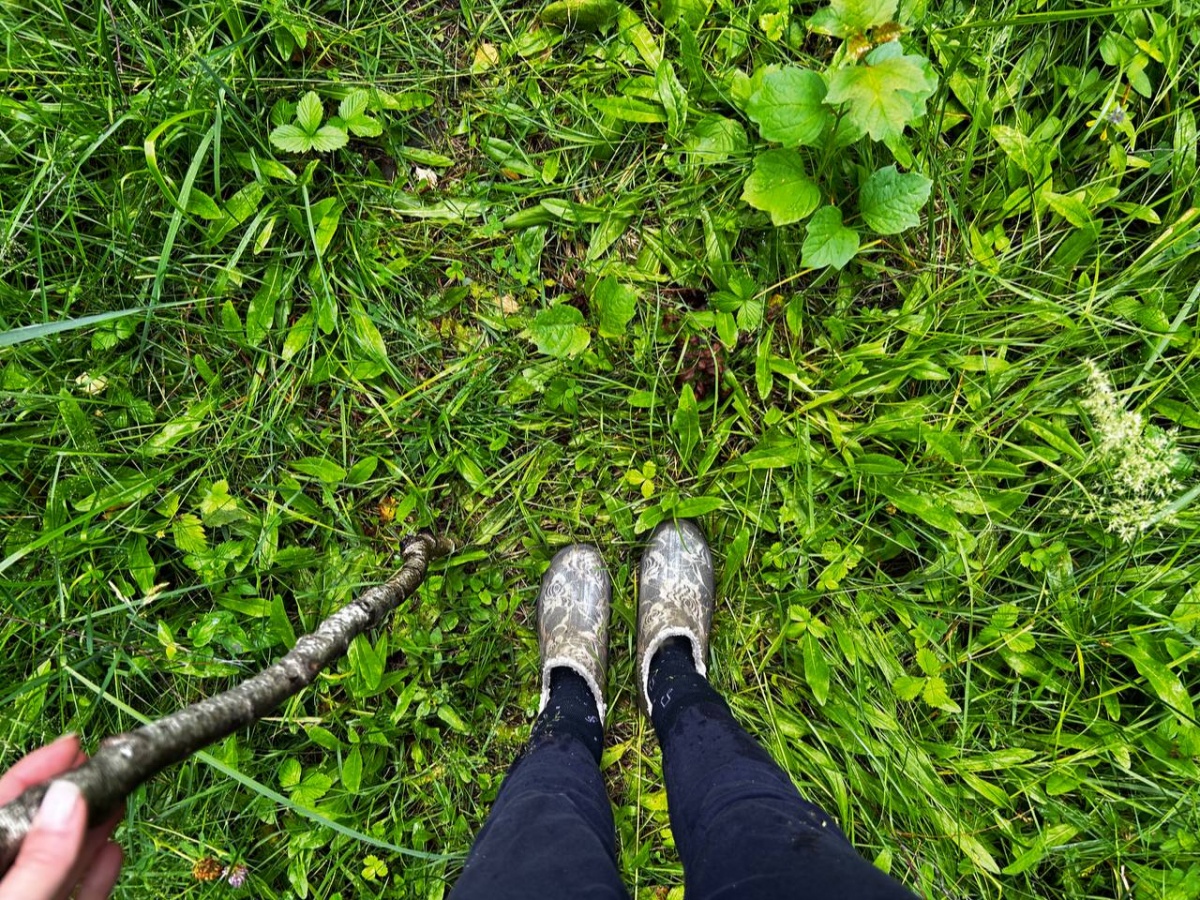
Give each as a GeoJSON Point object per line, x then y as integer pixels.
{"type": "Point", "coordinates": [60, 857]}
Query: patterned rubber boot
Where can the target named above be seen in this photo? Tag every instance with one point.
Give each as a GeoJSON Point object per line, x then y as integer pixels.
{"type": "Point", "coordinates": [573, 610]}
{"type": "Point", "coordinates": [675, 597]}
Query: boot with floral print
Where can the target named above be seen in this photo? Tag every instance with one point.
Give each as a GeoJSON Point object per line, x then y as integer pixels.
{"type": "Point", "coordinates": [675, 596]}
{"type": "Point", "coordinates": [573, 609]}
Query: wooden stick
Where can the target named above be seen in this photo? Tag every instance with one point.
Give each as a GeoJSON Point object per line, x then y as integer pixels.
{"type": "Point", "coordinates": [125, 761]}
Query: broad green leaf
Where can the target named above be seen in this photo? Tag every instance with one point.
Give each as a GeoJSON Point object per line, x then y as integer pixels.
{"type": "Point", "coordinates": [816, 668]}
{"type": "Point", "coordinates": [1052, 837]}
{"type": "Point", "coordinates": [827, 241]}
{"type": "Point", "coordinates": [1165, 683]}
{"type": "Point", "coordinates": [672, 95]}
{"type": "Point", "coordinates": [634, 31]}
{"type": "Point", "coordinates": [312, 787]}
{"type": "Point", "coordinates": [230, 321]}
{"type": "Point", "coordinates": [298, 336]}
{"type": "Point", "coordinates": [615, 304]}
{"type": "Point", "coordinates": [362, 470]}
{"type": "Point", "coordinates": [713, 140]}
{"type": "Point", "coordinates": [890, 201]}
{"type": "Point", "coordinates": [354, 104]}
{"type": "Point", "coordinates": [290, 773]}
{"type": "Point", "coordinates": [630, 109]}
{"type": "Point", "coordinates": [325, 306]}
{"type": "Point", "coordinates": [352, 767]}
{"type": "Point", "coordinates": [218, 507]}
{"type": "Point", "coordinates": [326, 215]}
{"type": "Point", "coordinates": [451, 717]}
{"type": "Point", "coordinates": [690, 12]}
{"type": "Point", "coordinates": [366, 662]}
{"type": "Point", "coordinates": [182, 426]}
{"type": "Point", "coordinates": [245, 202]}
{"type": "Point", "coordinates": [1070, 208]}
{"type": "Point", "coordinates": [1029, 157]}
{"type": "Point", "coordinates": [279, 625]}
{"type": "Point", "coordinates": [936, 696]}
{"type": "Point", "coordinates": [263, 240]}
{"type": "Point", "coordinates": [188, 534]}
{"type": "Point", "coordinates": [763, 377]}
{"type": "Point", "coordinates": [309, 112]}
{"type": "Point", "coordinates": [367, 333]}
{"type": "Point", "coordinates": [843, 18]}
{"type": "Point", "coordinates": [586, 15]}
{"type": "Point", "coordinates": [141, 565]}
{"type": "Point", "coordinates": [329, 138]}
{"type": "Point", "coordinates": [202, 205]}
{"type": "Point", "coordinates": [788, 106]}
{"type": "Point", "coordinates": [908, 687]}
{"type": "Point", "coordinates": [934, 513]}
{"type": "Point", "coordinates": [884, 95]}
{"type": "Point", "coordinates": [686, 423]}
{"type": "Point", "coordinates": [79, 425]}
{"type": "Point", "coordinates": [559, 331]}
{"type": "Point", "coordinates": [780, 186]}
{"type": "Point", "coordinates": [364, 126]}
{"type": "Point", "coordinates": [928, 661]}
{"type": "Point", "coordinates": [283, 111]}
{"type": "Point", "coordinates": [260, 314]}
{"type": "Point", "coordinates": [291, 139]}
{"type": "Point", "coordinates": [694, 507]}
{"type": "Point", "coordinates": [318, 467]}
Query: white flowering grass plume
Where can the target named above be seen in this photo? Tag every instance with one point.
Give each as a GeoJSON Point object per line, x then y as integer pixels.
{"type": "Point", "coordinates": [1140, 460]}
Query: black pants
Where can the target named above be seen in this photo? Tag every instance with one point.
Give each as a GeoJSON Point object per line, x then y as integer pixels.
{"type": "Point", "coordinates": [742, 830]}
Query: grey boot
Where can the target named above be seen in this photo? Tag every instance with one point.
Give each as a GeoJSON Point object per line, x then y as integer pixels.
{"type": "Point", "coordinates": [573, 609]}
{"type": "Point", "coordinates": [675, 596]}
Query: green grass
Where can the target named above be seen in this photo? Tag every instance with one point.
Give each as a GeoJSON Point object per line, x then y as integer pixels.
{"type": "Point", "coordinates": [921, 615]}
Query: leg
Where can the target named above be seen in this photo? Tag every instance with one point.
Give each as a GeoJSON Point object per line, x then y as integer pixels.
{"type": "Point", "coordinates": [550, 833]}
{"type": "Point", "coordinates": [742, 829]}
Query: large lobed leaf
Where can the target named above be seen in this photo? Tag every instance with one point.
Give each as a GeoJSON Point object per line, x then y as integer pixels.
{"type": "Point", "coordinates": [885, 94]}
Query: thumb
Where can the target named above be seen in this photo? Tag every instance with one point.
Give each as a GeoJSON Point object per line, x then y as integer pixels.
{"type": "Point", "coordinates": [55, 837]}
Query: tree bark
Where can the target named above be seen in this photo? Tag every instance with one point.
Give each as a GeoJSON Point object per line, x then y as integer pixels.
{"type": "Point", "coordinates": [125, 761]}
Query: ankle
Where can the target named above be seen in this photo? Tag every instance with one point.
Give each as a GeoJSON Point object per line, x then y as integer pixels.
{"type": "Point", "coordinates": [570, 710]}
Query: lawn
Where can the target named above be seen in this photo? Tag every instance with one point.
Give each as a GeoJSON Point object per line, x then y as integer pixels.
{"type": "Point", "coordinates": [901, 304]}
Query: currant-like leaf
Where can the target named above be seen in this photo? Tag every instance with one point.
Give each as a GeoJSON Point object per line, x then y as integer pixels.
{"type": "Point", "coordinates": [780, 186]}
{"type": "Point", "coordinates": [843, 18]}
{"type": "Point", "coordinates": [885, 95]}
{"type": "Point", "coordinates": [787, 106]}
{"type": "Point", "coordinates": [827, 241]}
{"type": "Point", "coordinates": [891, 202]}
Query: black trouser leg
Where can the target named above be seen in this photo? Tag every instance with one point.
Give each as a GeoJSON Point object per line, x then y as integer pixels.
{"type": "Point", "coordinates": [742, 829]}
{"type": "Point", "coordinates": [550, 833]}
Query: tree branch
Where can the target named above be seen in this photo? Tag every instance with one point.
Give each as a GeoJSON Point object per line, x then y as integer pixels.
{"type": "Point", "coordinates": [125, 761]}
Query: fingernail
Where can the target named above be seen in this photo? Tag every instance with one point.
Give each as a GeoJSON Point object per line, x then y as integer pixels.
{"type": "Point", "coordinates": [58, 806]}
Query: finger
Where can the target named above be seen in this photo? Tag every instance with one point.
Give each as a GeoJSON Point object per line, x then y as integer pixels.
{"type": "Point", "coordinates": [51, 847]}
{"type": "Point", "coordinates": [109, 825]}
{"type": "Point", "coordinates": [100, 879]}
{"type": "Point", "coordinates": [96, 840]}
{"type": "Point", "coordinates": [40, 765]}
